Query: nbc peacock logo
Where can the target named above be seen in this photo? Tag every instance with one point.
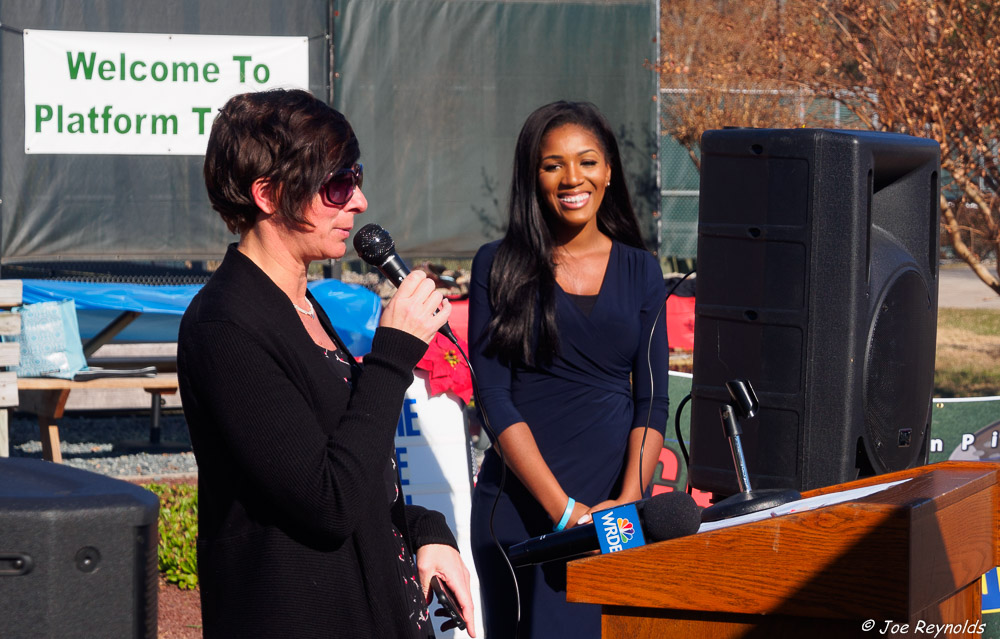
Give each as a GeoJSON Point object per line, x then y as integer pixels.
{"type": "Point", "coordinates": [619, 528]}
{"type": "Point", "coordinates": [626, 529]}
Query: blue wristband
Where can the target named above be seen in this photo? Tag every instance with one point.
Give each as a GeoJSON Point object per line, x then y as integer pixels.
{"type": "Point", "coordinates": [566, 513]}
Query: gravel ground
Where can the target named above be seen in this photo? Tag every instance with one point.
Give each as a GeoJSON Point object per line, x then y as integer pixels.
{"type": "Point", "coordinates": [99, 442]}
{"type": "Point", "coordinates": [96, 442]}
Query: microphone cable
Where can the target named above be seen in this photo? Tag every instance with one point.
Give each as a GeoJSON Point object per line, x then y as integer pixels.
{"type": "Point", "coordinates": [649, 365]}
{"type": "Point", "coordinates": [677, 431]}
{"type": "Point", "coordinates": [495, 443]}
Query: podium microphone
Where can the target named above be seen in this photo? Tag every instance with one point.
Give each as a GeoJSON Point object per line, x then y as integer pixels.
{"type": "Point", "coordinates": [664, 516]}
{"type": "Point", "coordinates": [376, 247]}
{"type": "Point", "coordinates": [747, 500]}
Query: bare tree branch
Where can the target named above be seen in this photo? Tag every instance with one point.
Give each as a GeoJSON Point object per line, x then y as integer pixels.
{"type": "Point", "coordinates": [922, 67]}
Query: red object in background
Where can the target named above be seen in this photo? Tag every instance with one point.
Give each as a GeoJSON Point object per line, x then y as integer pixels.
{"type": "Point", "coordinates": [459, 320]}
{"type": "Point", "coordinates": [447, 367]}
{"type": "Point", "coordinates": [680, 322]}
{"type": "Point", "coordinates": [669, 471]}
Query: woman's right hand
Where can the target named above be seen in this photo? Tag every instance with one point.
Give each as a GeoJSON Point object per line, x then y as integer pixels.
{"type": "Point", "coordinates": [417, 307]}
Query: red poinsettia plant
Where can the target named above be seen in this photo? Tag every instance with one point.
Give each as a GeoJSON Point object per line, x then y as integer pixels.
{"type": "Point", "coordinates": [448, 369]}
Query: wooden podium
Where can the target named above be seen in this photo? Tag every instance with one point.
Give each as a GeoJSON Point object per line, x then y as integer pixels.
{"type": "Point", "coordinates": [912, 554]}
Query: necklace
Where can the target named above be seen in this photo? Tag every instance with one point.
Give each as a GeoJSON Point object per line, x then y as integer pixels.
{"type": "Point", "coordinates": [310, 313]}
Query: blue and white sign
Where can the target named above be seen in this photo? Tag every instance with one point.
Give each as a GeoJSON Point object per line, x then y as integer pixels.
{"type": "Point", "coordinates": [618, 528]}
{"type": "Point", "coordinates": [432, 451]}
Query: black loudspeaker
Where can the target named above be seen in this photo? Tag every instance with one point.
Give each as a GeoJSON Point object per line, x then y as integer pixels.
{"type": "Point", "coordinates": [818, 283]}
{"type": "Point", "coordinates": [77, 553]}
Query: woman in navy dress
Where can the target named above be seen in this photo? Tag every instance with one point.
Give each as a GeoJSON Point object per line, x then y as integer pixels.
{"type": "Point", "coordinates": [570, 348]}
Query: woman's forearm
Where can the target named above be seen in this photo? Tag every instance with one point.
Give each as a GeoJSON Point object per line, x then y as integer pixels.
{"type": "Point", "coordinates": [525, 460]}
{"type": "Point", "coordinates": [631, 489]}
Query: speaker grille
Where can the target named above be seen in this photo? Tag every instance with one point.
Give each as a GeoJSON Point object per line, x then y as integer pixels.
{"type": "Point", "coordinates": [898, 373]}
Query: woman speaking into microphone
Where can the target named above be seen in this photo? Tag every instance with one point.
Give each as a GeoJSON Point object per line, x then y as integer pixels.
{"type": "Point", "coordinates": [570, 347]}
{"type": "Point", "coordinates": [303, 530]}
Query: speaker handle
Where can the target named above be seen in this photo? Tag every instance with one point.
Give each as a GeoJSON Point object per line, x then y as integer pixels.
{"type": "Point", "coordinates": [15, 564]}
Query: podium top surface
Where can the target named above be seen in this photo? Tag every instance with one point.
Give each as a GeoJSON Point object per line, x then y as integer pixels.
{"type": "Point", "coordinates": [886, 555]}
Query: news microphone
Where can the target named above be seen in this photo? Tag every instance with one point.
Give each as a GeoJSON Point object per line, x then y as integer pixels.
{"type": "Point", "coordinates": [664, 516]}
{"type": "Point", "coordinates": [375, 246]}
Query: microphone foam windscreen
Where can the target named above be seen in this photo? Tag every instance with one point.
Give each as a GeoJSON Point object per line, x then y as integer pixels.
{"type": "Point", "coordinates": [373, 244]}
{"type": "Point", "coordinates": [670, 515]}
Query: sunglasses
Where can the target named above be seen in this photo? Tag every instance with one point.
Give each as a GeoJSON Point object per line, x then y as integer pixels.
{"type": "Point", "coordinates": [339, 186]}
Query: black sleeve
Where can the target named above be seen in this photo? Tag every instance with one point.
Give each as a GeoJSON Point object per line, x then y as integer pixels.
{"type": "Point", "coordinates": [261, 422]}
{"type": "Point", "coordinates": [428, 527]}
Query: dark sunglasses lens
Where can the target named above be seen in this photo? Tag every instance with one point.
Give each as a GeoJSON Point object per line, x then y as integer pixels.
{"type": "Point", "coordinates": [341, 186]}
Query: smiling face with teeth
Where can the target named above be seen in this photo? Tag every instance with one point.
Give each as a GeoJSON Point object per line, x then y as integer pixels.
{"type": "Point", "coordinates": [572, 176]}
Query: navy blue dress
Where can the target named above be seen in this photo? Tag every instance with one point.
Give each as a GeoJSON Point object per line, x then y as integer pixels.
{"type": "Point", "coordinates": [580, 409]}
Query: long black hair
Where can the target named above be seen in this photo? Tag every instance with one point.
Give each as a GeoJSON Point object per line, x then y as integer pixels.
{"type": "Point", "coordinates": [523, 269]}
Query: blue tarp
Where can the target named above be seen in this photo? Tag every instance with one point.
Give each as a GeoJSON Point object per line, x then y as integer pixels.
{"type": "Point", "coordinates": [143, 298]}
{"type": "Point", "coordinates": [353, 310]}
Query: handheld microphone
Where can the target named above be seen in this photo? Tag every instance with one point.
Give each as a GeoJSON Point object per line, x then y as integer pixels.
{"type": "Point", "coordinates": [664, 516]}
{"type": "Point", "coordinates": [375, 246]}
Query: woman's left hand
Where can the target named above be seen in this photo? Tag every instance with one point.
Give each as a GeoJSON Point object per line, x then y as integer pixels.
{"type": "Point", "coordinates": [417, 307]}
{"type": "Point", "coordinates": [446, 564]}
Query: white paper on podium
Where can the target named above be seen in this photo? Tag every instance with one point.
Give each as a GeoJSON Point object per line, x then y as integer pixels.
{"type": "Point", "coordinates": [432, 450]}
{"type": "Point", "coordinates": [810, 503]}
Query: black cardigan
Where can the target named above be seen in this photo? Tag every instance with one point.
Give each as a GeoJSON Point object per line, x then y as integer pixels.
{"type": "Point", "coordinates": [294, 524]}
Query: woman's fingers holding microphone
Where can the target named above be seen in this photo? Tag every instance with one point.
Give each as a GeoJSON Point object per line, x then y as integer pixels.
{"type": "Point", "coordinates": [417, 307]}
{"type": "Point", "coordinates": [431, 300]}
{"type": "Point", "coordinates": [410, 283]}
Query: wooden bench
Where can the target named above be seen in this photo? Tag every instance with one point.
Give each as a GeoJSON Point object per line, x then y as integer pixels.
{"type": "Point", "coordinates": [46, 397]}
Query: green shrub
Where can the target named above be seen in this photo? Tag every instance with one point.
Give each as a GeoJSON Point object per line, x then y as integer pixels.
{"type": "Point", "coordinates": [178, 529]}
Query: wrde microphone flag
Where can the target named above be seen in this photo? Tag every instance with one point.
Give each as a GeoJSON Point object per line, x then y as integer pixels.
{"type": "Point", "coordinates": [618, 528]}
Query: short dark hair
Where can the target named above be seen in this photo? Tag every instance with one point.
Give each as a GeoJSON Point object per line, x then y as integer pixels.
{"type": "Point", "coordinates": [523, 268]}
{"type": "Point", "coordinates": [287, 137]}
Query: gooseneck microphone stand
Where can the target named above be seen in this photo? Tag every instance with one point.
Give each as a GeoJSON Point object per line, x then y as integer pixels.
{"type": "Point", "coordinates": [747, 500]}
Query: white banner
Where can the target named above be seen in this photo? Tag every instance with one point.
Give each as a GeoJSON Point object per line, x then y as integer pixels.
{"type": "Point", "coordinates": [432, 450]}
{"type": "Point", "coordinates": [144, 93]}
